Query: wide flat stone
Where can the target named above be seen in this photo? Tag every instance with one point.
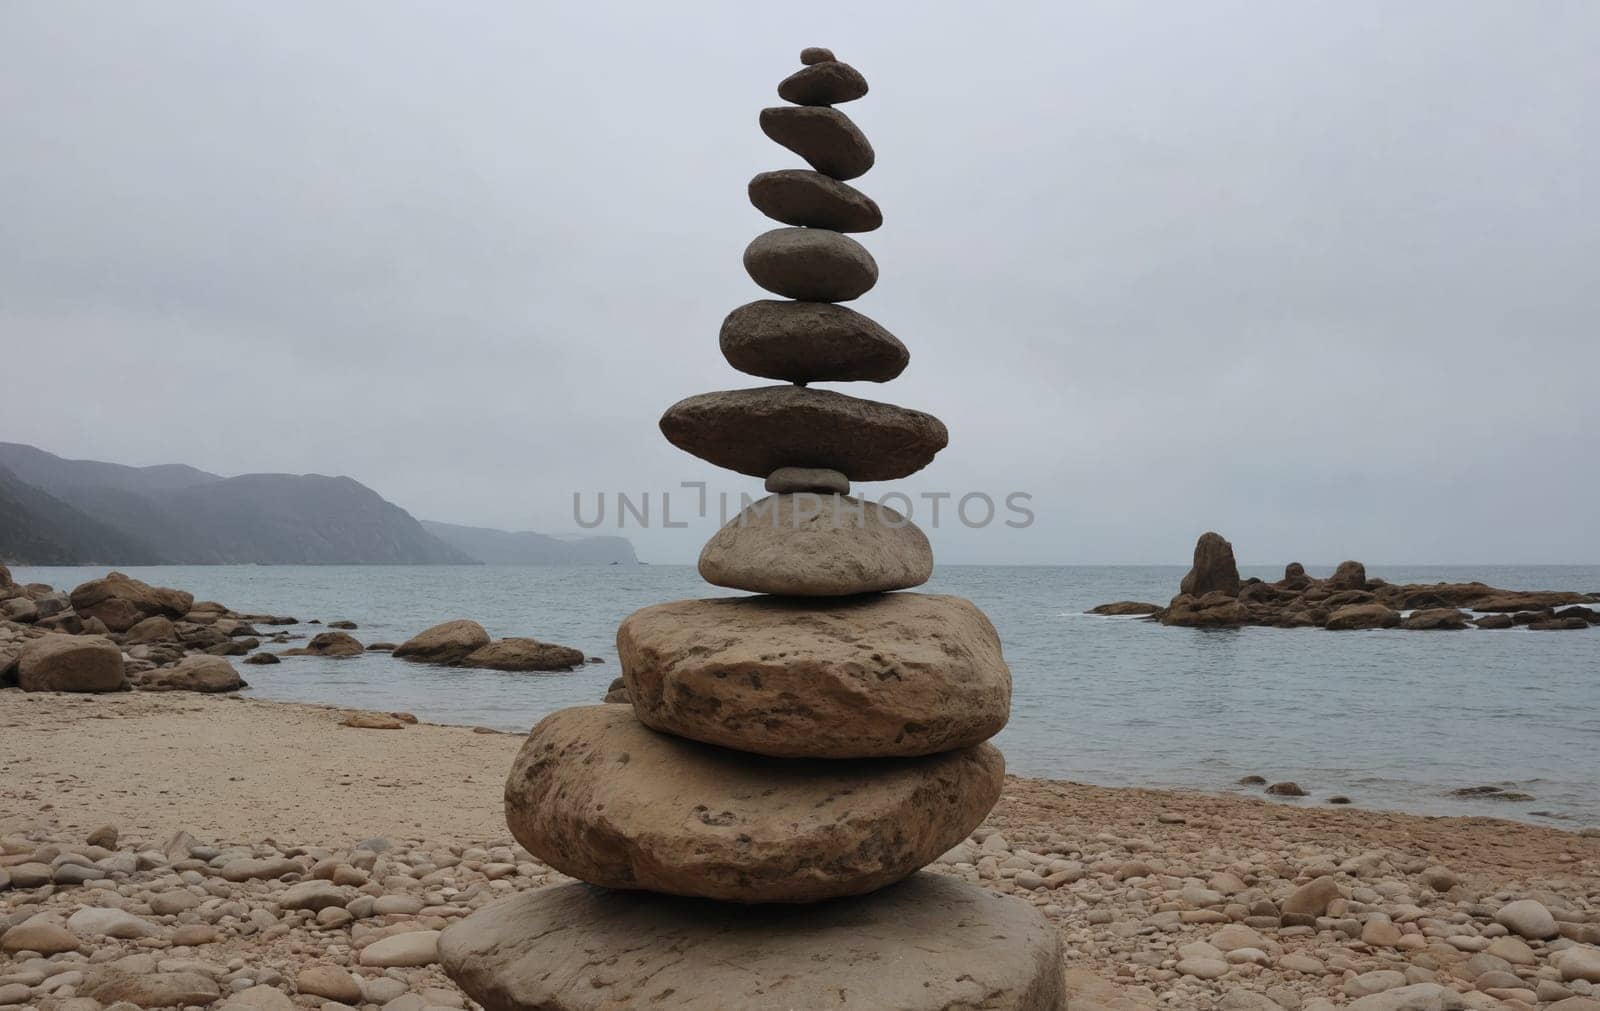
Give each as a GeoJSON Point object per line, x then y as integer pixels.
{"type": "Point", "coordinates": [812, 264]}
{"type": "Point", "coordinates": [597, 795]}
{"type": "Point", "coordinates": [826, 83]}
{"type": "Point", "coordinates": [810, 342]}
{"type": "Point", "coordinates": [825, 138]}
{"type": "Point", "coordinates": [930, 943]}
{"type": "Point", "coordinates": [807, 544]}
{"type": "Point", "coordinates": [886, 674]}
{"type": "Point", "coordinates": [811, 199]}
{"type": "Point", "coordinates": [754, 432]}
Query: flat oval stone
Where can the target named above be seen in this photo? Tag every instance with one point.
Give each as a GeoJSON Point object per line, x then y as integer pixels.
{"type": "Point", "coordinates": [812, 264]}
{"type": "Point", "coordinates": [754, 432]}
{"type": "Point", "coordinates": [828, 82]}
{"type": "Point", "coordinates": [787, 479]}
{"type": "Point", "coordinates": [930, 943]}
{"type": "Point", "coordinates": [810, 342]}
{"type": "Point", "coordinates": [880, 675]}
{"type": "Point", "coordinates": [826, 138]}
{"type": "Point", "coordinates": [809, 545]}
{"type": "Point", "coordinates": [812, 200]}
{"type": "Point", "coordinates": [597, 795]}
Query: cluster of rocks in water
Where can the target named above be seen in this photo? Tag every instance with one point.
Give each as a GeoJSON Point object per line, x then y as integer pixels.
{"type": "Point", "coordinates": [757, 812]}
{"type": "Point", "coordinates": [118, 633]}
{"type": "Point", "coordinates": [1212, 595]}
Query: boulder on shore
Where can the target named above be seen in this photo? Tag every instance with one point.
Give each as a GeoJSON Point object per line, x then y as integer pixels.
{"type": "Point", "coordinates": [198, 673]}
{"type": "Point", "coordinates": [70, 663]}
{"type": "Point", "coordinates": [446, 643]}
{"type": "Point", "coordinates": [122, 602]}
{"type": "Point", "coordinates": [1214, 569]}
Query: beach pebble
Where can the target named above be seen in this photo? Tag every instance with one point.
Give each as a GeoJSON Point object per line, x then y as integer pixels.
{"type": "Point", "coordinates": [419, 947]}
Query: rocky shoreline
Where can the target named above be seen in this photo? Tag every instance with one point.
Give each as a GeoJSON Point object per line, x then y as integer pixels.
{"type": "Point", "coordinates": [117, 633]}
{"type": "Point", "coordinates": [1212, 595]}
{"type": "Point", "coordinates": [312, 869]}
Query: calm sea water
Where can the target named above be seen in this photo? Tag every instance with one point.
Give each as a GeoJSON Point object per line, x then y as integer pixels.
{"type": "Point", "coordinates": [1392, 719]}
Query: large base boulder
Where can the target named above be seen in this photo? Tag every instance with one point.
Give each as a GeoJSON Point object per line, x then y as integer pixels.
{"type": "Point", "coordinates": [70, 663]}
{"type": "Point", "coordinates": [891, 674]}
{"type": "Point", "coordinates": [810, 545]}
{"type": "Point", "coordinates": [597, 795]}
{"type": "Point", "coordinates": [931, 942]}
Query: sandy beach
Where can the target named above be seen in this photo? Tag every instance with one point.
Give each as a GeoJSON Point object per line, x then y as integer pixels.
{"type": "Point", "coordinates": [1163, 899]}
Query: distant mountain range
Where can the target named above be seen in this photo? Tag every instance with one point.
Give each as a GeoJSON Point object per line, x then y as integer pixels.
{"type": "Point", "coordinates": [55, 511]}
{"type": "Point", "coordinates": [500, 547]}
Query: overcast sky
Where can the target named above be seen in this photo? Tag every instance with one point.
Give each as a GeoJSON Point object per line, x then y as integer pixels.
{"type": "Point", "coordinates": [1321, 276]}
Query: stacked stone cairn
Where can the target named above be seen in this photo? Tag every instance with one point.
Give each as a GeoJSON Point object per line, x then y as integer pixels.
{"type": "Point", "coordinates": [755, 818]}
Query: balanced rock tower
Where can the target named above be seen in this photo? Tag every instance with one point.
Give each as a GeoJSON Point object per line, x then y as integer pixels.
{"type": "Point", "coordinates": [752, 823]}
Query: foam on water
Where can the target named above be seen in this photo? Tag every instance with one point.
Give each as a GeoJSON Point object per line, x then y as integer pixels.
{"type": "Point", "coordinates": [1390, 718]}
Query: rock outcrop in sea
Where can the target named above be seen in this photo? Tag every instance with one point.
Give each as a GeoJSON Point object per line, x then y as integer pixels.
{"type": "Point", "coordinates": [786, 763]}
{"type": "Point", "coordinates": [1212, 595]}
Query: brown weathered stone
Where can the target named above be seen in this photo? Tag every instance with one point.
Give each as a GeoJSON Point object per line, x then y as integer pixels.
{"type": "Point", "coordinates": [881, 675]}
{"type": "Point", "coordinates": [806, 342]}
{"type": "Point", "coordinates": [597, 795]}
{"type": "Point", "coordinates": [1357, 616]}
{"type": "Point", "coordinates": [757, 431]}
{"type": "Point", "coordinates": [826, 138]}
{"type": "Point", "coordinates": [829, 82]}
{"type": "Point", "coordinates": [199, 673]}
{"type": "Point", "coordinates": [523, 654]}
{"type": "Point", "coordinates": [811, 264]}
{"type": "Point", "coordinates": [930, 943]}
{"type": "Point", "coordinates": [447, 642]}
{"type": "Point", "coordinates": [813, 200]}
{"type": "Point", "coordinates": [810, 545]}
{"type": "Point", "coordinates": [70, 663]}
{"type": "Point", "coordinates": [1214, 568]}
{"type": "Point", "coordinates": [122, 602]}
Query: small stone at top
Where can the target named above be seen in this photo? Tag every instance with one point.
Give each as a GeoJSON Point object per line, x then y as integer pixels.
{"type": "Point", "coordinates": [811, 55]}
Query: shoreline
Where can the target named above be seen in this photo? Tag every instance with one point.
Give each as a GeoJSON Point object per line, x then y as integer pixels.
{"type": "Point", "coordinates": [314, 730]}
{"type": "Point", "coordinates": [1144, 885]}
